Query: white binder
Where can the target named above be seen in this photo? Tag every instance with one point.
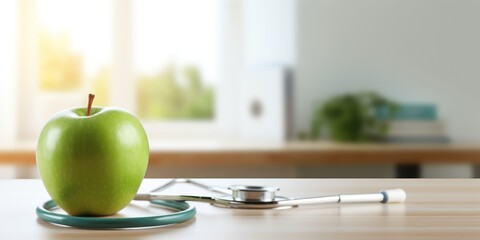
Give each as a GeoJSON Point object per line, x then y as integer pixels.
{"type": "Point", "coordinates": [265, 104]}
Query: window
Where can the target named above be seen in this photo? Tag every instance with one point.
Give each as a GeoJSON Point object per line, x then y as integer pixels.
{"type": "Point", "coordinates": [74, 50]}
{"type": "Point", "coordinates": [168, 69]}
{"type": "Point", "coordinates": [175, 51]}
{"type": "Point", "coordinates": [8, 46]}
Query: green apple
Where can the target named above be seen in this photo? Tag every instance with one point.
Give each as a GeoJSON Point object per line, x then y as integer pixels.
{"type": "Point", "coordinates": [92, 160]}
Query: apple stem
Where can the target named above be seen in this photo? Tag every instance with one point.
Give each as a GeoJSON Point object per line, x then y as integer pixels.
{"type": "Point", "coordinates": [90, 101]}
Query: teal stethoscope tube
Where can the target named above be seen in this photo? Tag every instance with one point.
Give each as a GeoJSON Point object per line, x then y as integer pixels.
{"type": "Point", "coordinates": [185, 212]}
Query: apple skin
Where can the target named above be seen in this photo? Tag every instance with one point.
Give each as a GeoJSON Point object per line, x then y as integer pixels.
{"type": "Point", "coordinates": [92, 165]}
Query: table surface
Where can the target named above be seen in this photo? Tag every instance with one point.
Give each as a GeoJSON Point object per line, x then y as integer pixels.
{"type": "Point", "coordinates": [435, 209]}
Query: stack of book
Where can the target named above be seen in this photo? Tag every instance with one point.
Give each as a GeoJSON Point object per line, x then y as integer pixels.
{"type": "Point", "coordinates": [414, 123]}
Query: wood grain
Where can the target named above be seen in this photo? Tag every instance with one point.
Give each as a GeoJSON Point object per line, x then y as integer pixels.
{"type": "Point", "coordinates": [435, 209]}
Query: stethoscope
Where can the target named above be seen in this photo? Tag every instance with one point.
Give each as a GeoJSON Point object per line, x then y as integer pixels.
{"type": "Point", "coordinates": [236, 196]}
{"type": "Point", "coordinates": [261, 197]}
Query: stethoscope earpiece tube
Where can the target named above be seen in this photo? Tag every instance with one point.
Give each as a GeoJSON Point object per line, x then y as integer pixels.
{"type": "Point", "coordinates": [386, 196]}
{"type": "Point", "coordinates": [394, 196]}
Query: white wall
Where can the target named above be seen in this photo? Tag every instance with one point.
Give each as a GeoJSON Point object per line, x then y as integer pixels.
{"type": "Point", "coordinates": [415, 51]}
{"type": "Point", "coordinates": [269, 32]}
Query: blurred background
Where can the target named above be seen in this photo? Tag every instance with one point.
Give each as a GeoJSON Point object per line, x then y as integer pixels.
{"type": "Point", "coordinates": [244, 88]}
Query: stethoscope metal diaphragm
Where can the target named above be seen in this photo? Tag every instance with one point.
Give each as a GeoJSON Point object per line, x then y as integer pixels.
{"type": "Point", "coordinates": [251, 194]}
{"type": "Point", "coordinates": [251, 197]}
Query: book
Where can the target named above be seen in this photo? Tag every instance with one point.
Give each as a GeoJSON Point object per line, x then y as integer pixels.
{"type": "Point", "coordinates": [417, 131]}
{"type": "Point", "coordinates": [409, 112]}
{"type": "Point", "coordinates": [419, 139]}
{"type": "Point", "coordinates": [414, 128]}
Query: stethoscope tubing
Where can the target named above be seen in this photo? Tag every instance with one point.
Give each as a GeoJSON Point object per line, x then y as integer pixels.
{"type": "Point", "coordinates": [185, 213]}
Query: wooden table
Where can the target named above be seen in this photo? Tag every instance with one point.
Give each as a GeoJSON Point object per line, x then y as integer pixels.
{"type": "Point", "coordinates": [407, 157]}
{"type": "Point", "coordinates": [435, 209]}
{"type": "Point", "coordinates": [290, 153]}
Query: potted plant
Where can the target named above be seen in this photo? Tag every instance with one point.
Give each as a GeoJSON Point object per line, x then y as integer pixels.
{"type": "Point", "coordinates": [351, 117]}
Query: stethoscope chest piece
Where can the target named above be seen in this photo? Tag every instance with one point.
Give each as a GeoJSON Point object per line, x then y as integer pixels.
{"type": "Point", "coordinates": [251, 197]}
{"type": "Point", "coordinates": [251, 194]}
